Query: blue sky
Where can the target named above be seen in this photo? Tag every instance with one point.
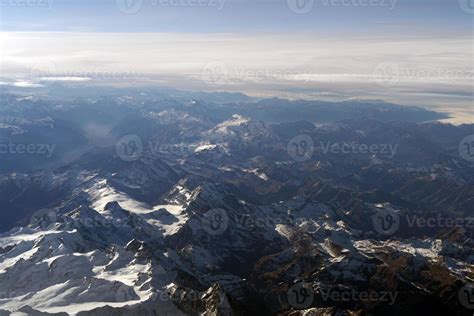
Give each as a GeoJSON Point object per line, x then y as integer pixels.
{"type": "Point", "coordinates": [237, 16]}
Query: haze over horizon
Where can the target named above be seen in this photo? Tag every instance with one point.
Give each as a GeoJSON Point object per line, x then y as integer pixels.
{"type": "Point", "coordinates": [321, 49]}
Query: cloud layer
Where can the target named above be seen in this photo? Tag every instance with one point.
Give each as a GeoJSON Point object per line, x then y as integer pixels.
{"type": "Point", "coordinates": [291, 65]}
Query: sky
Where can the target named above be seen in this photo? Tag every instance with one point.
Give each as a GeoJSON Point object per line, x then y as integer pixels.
{"type": "Point", "coordinates": [414, 52]}
{"type": "Point", "coordinates": [221, 16]}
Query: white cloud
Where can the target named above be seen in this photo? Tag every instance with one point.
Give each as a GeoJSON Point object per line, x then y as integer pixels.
{"type": "Point", "coordinates": [66, 79]}
{"type": "Point", "coordinates": [27, 84]}
{"type": "Point", "coordinates": [398, 69]}
{"type": "Point", "coordinates": [69, 54]}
